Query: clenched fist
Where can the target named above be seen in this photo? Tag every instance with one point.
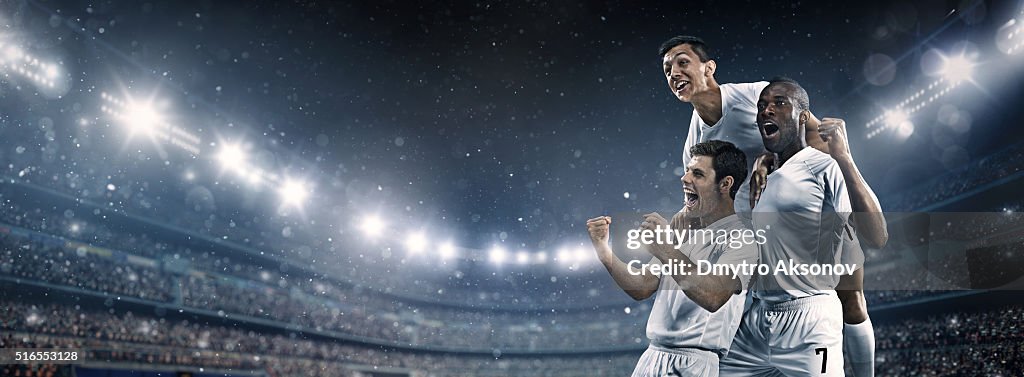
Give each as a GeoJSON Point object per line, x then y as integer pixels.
{"type": "Point", "coordinates": [598, 229]}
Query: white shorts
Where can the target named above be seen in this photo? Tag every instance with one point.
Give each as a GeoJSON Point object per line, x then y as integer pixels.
{"type": "Point", "coordinates": [661, 361]}
{"type": "Point", "coordinates": [801, 337]}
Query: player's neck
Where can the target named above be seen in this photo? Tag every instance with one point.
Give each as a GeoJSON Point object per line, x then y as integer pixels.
{"type": "Point", "coordinates": [708, 103]}
{"type": "Point", "coordinates": [791, 151]}
{"type": "Point", "coordinates": [725, 210]}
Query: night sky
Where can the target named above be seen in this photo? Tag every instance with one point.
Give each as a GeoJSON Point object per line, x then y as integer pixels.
{"type": "Point", "coordinates": [489, 123]}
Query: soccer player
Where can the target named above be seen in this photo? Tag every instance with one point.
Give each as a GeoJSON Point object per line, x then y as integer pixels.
{"type": "Point", "coordinates": [720, 112]}
{"type": "Point", "coordinates": [694, 317]}
{"type": "Point", "coordinates": [727, 112]}
{"type": "Point", "coordinates": [794, 325]}
{"type": "Point", "coordinates": [858, 334]}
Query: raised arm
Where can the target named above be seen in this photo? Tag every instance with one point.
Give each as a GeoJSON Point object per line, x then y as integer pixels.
{"type": "Point", "coordinates": [867, 211]}
{"type": "Point", "coordinates": [638, 287]}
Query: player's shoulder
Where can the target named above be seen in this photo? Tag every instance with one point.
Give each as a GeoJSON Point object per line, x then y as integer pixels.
{"type": "Point", "coordinates": [752, 84]}
{"type": "Point", "coordinates": [729, 223]}
{"type": "Point", "coordinates": [821, 165]}
{"type": "Point", "coordinates": [756, 86]}
{"type": "Point", "coordinates": [745, 91]}
{"type": "Point", "coordinates": [816, 160]}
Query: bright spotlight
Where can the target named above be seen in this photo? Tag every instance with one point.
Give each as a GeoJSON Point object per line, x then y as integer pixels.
{"type": "Point", "coordinates": [522, 257]}
{"type": "Point", "coordinates": [894, 118]}
{"type": "Point", "coordinates": [579, 254]}
{"type": "Point", "coordinates": [51, 72]}
{"type": "Point", "coordinates": [541, 257]}
{"type": "Point", "coordinates": [957, 68]}
{"type": "Point", "coordinates": [564, 256]}
{"type": "Point", "coordinates": [498, 255]}
{"type": "Point", "coordinates": [416, 242]}
{"type": "Point", "coordinates": [142, 117]}
{"type": "Point", "coordinates": [372, 226]}
{"type": "Point", "coordinates": [232, 157]}
{"type": "Point", "coordinates": [254, 177]}
{"type": "Point", "coordinates": [905, 129]}
{"type": "Point", "coordinates": [294, 192]}
{"type": "Point", "coordinates": [13, 53]}
{"type": "Point", "coordinates": [447, 250]}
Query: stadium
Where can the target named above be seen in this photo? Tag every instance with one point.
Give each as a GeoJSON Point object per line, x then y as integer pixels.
{"type": "Point", "coordinates": [302, 188]}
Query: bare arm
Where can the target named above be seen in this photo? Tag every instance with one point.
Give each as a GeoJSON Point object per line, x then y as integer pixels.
{"type": "Point", "coordinates": [637, 286]}
{"type": "Point", "coordinates": [867, 211]}
{"type": "Point", "coordinates": [711, 292]}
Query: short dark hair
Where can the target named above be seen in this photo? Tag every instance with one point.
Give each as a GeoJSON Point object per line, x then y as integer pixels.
{"type": "Point", "coordinates": [803, 102]}
{"type": "Point", "coordinates": [726, 159]}
{"type": "Point", "coordinates": [696, 44]}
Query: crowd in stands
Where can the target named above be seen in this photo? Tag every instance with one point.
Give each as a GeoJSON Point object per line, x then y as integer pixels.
{"type": "Point", "coordinates": [978, 173]}
{"type": "Point", "coordinates": [77, 268]}
{"type": "Point", "coordinates": [221, 283]}
{"type": "Point", "coordinates": [129, 337]}
{"type": "Point", "coordinates": [8, 341]}
{"type": "Point", "coordinates": [983, 342]}
{"type": "Point", "coordinates": [363, 315]}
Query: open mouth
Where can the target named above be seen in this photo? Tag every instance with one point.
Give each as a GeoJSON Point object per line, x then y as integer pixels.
{"type": "Point", "coordinates": [681, 86]}
{"type": "Point", "coordinates": [769, 128]}
{"type": "Point", "coordinates": [691, 198]}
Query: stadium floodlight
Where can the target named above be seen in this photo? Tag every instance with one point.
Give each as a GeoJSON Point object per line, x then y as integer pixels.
{"type": "Point", "coordinates": [579, 254]}
{"type": "Point", "coordinates": [957, 68]}
{"type": "Point", "coordinates": [232, 157]}
{"type": "Point", "coordinates": [563, 256]}
{"type": "Point", "coordinates": [498, 255]}
{"type": "Point", "coordinates": [1010, 37]}
{"type": "Point", "coordinates": [447, 250]}
{"type": "Point", "coordinates": [905, 129]}
{"type": "Point", "coordinates": [254, 177]}
{"type": "Point", "coordinates": [145, 116]}
{"type": "Point", "coordinates": [522, 257]}
{"type": "Point", "coordinates": [12, 53]}
{"type": "Point", "coordinates": [372, 226]}
{"type": "Point", "coordinates": [541, 257]}
{"type": "Point", "coordinates": [17, 61]}
{"type": "Point", "coordinates": [141, 116]}
{"type": "Point", "coordinates": [416, 242]}
{"type": "Point", "coordinates": [294, 192]}
{"type": "Point", "coordinates": [51, 71]}
{"type": "Point", "coordinates": [896, 117]}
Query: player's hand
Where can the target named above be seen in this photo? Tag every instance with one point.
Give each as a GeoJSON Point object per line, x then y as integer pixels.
{"type": "Point", "coordinates": [653, 221]}
{"type": "Point", "coordinates": [598, 230]}
{"type": "Point", "coordinates": [679, 220]}
{"type": "Point", "coordinates": [833, 132]}
{"type": "Point", "coordinates": [763, 165]}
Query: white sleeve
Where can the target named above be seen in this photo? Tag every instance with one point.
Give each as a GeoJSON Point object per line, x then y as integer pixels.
{"type": "Point", "coordinates": [750, 92]}
{"type": "Point", "coordinates": [836, 195]}
{"type": "Point", "coordinates": [692, 138]}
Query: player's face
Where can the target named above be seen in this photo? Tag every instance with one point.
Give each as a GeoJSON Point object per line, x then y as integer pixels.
{"type": "Point", "coordinates": [684, 71]}
{"type": "Point", "coordinates": [778, 118]}
{"type": "Point", "coordinates": [702, 195]}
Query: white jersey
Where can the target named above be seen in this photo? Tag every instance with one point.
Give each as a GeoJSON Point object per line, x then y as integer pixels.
{"type": "Point", "coordinates": [738, 126]}
{"type": "Point", "coordinates": [804, 208]}
{"type": "Point", "coordinates": [676, 321]}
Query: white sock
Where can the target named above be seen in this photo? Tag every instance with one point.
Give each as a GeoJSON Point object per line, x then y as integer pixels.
{"type": "Point", "coordinates": [859, 345]}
